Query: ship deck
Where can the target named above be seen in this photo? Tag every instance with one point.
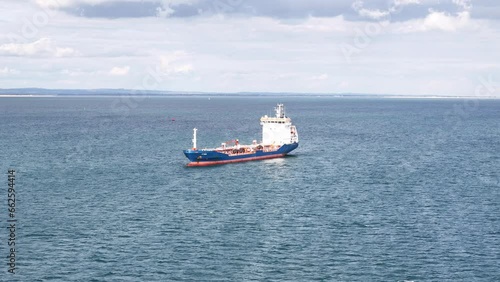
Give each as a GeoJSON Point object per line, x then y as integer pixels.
{"type": "Point", "coordinates": [246, 149]}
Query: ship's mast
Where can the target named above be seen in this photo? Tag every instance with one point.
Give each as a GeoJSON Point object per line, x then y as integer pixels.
{"type": "Point", "coordinates": [280, 111]}
{"type": "Point", "coordinates": [194, 138]}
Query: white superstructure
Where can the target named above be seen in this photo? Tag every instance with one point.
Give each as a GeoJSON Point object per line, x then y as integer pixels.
{"type": "Point", "coordinates": [278, 130]}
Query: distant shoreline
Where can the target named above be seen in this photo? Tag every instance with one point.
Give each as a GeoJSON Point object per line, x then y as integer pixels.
{"type": "Point", "coordinates": [24, 96]}
{"type": "Point", "coordinates": [122, 92]}
{"type": "Point", "coordinates": [374, 96]}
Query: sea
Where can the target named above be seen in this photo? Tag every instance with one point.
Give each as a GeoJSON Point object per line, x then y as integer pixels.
{"type": "Point", "coordinates": [379, 189]}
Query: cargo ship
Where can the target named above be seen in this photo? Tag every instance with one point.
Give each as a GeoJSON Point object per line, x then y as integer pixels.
{"type": "Point", "coordinates": [279, 137]}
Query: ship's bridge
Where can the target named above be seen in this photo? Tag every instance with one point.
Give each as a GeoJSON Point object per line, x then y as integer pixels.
{"type": "Point", "coordinates": [266, 119]}
{"type": "Point", "coordinates": [278, 130]}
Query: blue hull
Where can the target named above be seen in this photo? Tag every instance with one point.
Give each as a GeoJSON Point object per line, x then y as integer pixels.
{"type": "Point", "coordinates": [211, 157]}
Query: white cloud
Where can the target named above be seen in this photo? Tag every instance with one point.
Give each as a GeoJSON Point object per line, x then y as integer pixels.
{"type": "Point", "coordinates": [166, 59]}
{"type": "Point", "coordinates": [7, 71]}
{"type": "Point", "coordinates": [64, 3]}
{"type": "Point", "coordinates": [165, 9]}
{"type": "Point", "coordinates": [323, 76]}
{"type": "Point", "coordinates": [367, 13]}
{"type": "Point", "coordinates": [68, 3]}
{"type": "Point", "coordinates": [44, 47]}
{"type": "Point", "coordinates": [405, 2]}
{"type": "Point", "coordinates": [79, 72]}
{"type": "Point", "coordinates": [183, 69]}
{"type": "Point", "coordinates": [465, 4]}
{"type": "Point", "coordinates": [373, 14]}
{"type": "Point", "coordinates": [66, 52]}
{"type": "Point", "coordinates": [377, 14]}
{"type": "Point", "coordinates": [335, 24]}
{"type": "Point", "coordinates": [119, 71]}
{"type": "Point", "coordinates": [39, 47]}
{"type": "Point", "coordinates": [446, 22]}
{"type": "Point", "coordinates": [441, 21]}
{"type": "Point", "coordinates": [175, 63]}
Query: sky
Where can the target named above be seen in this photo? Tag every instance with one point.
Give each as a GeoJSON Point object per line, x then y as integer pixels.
{"type": "Point", "coordinates": [401, 47]}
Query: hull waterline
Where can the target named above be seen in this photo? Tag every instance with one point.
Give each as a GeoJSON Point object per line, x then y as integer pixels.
{"type": "Point", "coordinates": [209, 157]}
{"type": "Point", "coordinates": [212, 163]}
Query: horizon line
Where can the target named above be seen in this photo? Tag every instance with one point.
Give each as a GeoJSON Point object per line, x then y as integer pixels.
{"type": "Point", "coordinates": [30, 91]}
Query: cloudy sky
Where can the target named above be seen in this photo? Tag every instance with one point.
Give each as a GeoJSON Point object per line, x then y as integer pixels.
{"type": "Point", "coordinates": [412, 47]}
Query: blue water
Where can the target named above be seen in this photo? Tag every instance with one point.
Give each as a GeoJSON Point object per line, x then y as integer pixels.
{"type": "Point", "coordinates": [378, 190]}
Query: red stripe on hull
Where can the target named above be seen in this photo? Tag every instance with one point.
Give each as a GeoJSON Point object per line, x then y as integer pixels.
{"type": "Point", "coordinates": [209, 163]}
